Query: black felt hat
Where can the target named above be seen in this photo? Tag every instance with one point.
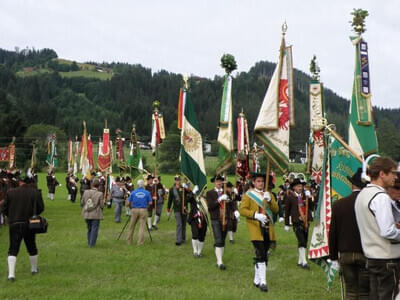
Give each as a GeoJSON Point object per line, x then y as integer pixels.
{"type": "Point", "coordinates": [229, 184]}
{"type": "Point", "coordinates": [217, 177]}
{"type": "Point", "coordinates": [257, 174]}
{"type": "Point", "coordinates": [150, 176]}
{"type": "Point", "coordinates": [295, 182]}
{"type": "Point", "coordinates": [356, 179]}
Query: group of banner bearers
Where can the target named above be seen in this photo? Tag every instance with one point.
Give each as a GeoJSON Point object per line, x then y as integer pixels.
{"type": "Point", "coordinates": [333, 168]}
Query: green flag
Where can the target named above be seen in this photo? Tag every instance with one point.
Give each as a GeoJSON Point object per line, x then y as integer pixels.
{"type": "Point", "coordinates": [191, 153]}
{"type": "Point", "coordinates": [135, 160]}
{"type": "Point", "coordinates": [225, 134]}
{"type": "Point", "coordinates": [362, 136]}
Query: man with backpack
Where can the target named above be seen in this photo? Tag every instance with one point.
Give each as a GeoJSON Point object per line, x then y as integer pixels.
{"type": "Point", "coordinates": [92, 211]}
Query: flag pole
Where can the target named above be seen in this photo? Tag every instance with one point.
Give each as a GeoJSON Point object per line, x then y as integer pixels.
{"type": "Point", "coordinates": [345, 145]}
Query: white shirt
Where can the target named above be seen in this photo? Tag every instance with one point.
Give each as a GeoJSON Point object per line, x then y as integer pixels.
{"type": "Point", "coordinates": [381, 206]}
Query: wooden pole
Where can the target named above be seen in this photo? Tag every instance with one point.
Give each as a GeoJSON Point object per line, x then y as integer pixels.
{"type": "Point", "coordinates": [309, 156]}
{"type": "Point", "coordinates": [224, 205]}
{"type": "Point", "coordinates": [339, 138]}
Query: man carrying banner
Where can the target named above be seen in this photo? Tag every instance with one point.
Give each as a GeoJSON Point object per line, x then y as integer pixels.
{"type": "Point", "coordinates": [345, 242]}
{"type": "Point", "coordinates": [297, 208]}
{"type": "Point", "coordinates": [379, 236]}
{"type": "Point", "coordinates": [258, 207]}
{"type": "Point", "coordinates": [176, 198]}
{"type": "Point", "coordinates": [52, 183]}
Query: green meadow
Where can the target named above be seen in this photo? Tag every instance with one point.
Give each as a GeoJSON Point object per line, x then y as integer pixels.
{"type": "Point", "coordinates": [155, 270]}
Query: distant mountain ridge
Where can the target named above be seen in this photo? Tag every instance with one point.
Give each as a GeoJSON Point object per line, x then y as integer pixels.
{"type": "Point", "coordinates": [38, 87]}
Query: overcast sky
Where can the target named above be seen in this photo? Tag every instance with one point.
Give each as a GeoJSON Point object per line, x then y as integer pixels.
{"type": "Point", "coordinates": [191, 36]}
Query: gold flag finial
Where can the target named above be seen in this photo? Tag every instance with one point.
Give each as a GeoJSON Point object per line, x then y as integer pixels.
{"type": "Point", "coordinates": [186, 81]}
{"type": "Point", "coordinates": [284, 28]}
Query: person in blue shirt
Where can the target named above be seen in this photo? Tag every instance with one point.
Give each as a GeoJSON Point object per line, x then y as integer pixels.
{"type": "Point", "coordinates": [139, 200]}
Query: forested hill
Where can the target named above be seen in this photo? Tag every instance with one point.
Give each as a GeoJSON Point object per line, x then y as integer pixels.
{"type": "Point", "coordinates": [36, 87]}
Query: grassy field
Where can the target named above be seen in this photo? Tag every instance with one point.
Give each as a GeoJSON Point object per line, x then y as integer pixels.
{"type": "Point", "coordinates": [157, 270]}
{"type": "Point", "coordinates": [87, 73]}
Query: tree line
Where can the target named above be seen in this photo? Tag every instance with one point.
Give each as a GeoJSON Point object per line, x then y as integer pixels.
{"type": "Point", "coordinates": [126, 99]}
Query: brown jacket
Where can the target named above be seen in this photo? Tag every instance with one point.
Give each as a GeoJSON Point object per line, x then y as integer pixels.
{"type": "Point", "coordinates": [292, 208]}
{"type": "Point", "coordinates": [98, 203]}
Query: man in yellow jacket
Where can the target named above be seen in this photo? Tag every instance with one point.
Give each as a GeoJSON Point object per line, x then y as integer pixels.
{"type": "Point", "coordinates": [258, 206]}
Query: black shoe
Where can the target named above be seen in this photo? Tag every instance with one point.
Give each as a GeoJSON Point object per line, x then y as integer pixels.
{"type": "Point", "coordinates": [300, 265]}
{"type": "Point", "coordinates": [35, 272]}
{"type": "Point", "coordinates": [263, 287]}
{"type": "Point", "coordinates": [231, 241]}
{"type": "Point", "coordinates": [221, 267]}
{"type": "Point", "coordinates": [306, 267]}
{"type": "Point", "coordinates": [199, 255]}
{"type": "Point", "coordinates": [178, 244]}
{"type": "Point", "coordinates": [154, 227]}
{"type": "Point", "coordinates": [256, 285]}
{"type": "Point", "coordinates": [11, 279]}
{"type": "Point", "coordinates": [150, 229]}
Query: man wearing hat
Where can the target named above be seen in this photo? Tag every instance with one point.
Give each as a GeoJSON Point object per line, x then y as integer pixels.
{"type": "Point", "coordinates": [52, 183]}
{"type": "Point", "coordinates": [159, 201]}
{"type": "Point", "coordinates": [394, 193]}
{"type": "Point", "coordinates": [258, 207]}
{"type": "Point", "coordinates": [345, 242]}
{"type": "Point", "coordinates": [297, 208]}
{"type": "Point", "coordinates": [118, 193]}
{"type": "Point", "coordinates": [176, 198]}
{"type": "Point", "coordinates": [216, 202]}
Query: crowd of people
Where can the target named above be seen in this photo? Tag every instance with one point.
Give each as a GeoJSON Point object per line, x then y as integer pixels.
{"type": "Point", "coordinates": [364, 239]}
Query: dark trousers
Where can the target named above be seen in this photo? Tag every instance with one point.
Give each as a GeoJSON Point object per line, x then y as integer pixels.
{"type": "Point", "coordinates": [219, 234]}
{"type": "Point", "coordinates": [93, 230]}
{"type": "Point", "coordinates": [262, 247]}
{"type": "Point", "coordinates": [73, 194]}
{"type": "Point", "coordinates": [199, 233]}
{"type": "Point", "coordinates": [301, 234]}
{"type": "Point", "coordinates": [384, 277]}
{"type": "Point", "coordinates": [19, 232]}
{"type": "Point", "coordinates": [180, 227]}
{"type": "Point", "coordinates": [355, 274]}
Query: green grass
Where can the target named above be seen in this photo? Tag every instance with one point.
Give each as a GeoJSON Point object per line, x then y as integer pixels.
{"type": "Point", "coordinates": [157, 270]}
{"type": "Point", "coordinates": [87, 73]}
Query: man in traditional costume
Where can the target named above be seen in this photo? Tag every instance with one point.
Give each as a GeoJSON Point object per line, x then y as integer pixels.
{"type": "Point", "coordinates": [176, 199]}
{"type": "Point", "coordinates": [297, 208]}
{"type": "Point", "coordinates": [258, 206]}
{"type": "Point", "coordinates": [198, 223]}
{"type": "Point", "coordinates": [52, 183]}
{"type": "Point", "coordinates": [215, 202]}
{"type": "Point", "coordinates": [232, 212]}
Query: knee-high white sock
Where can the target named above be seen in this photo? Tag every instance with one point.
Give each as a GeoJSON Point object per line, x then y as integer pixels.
{"type": "Point", "coordinates": [34, 260]}
{"type": "Point", "coordinates": [256, 280]}
{"type": "Point", "coordinates": [261, 272]}
{"type": "Point", "coordinates": [195, 246]}
{"type": "Point", "coordinates": [300, 261]}
{"type": "Point", "coordinates": [219, 252]}
{"type": "Point", "coordinates": [230, 233]}
{"type": "Point", "coordinates": [304, 256]}
{"type": "Point", "coordinates": [156, 219]}
{"type": "Point", "coordinates": [149, 222]}
{"type": "Point", "coordinates": [199, 247]}
{"type": "Point", "coordinates": [12, 260]}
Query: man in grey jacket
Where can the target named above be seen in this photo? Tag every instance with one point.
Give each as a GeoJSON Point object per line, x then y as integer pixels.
{"type": "Point", "coordinates": [92, 211]}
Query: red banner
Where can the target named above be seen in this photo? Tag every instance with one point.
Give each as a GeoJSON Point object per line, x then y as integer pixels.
{"type": "Point", "coordinates": [4, 154]}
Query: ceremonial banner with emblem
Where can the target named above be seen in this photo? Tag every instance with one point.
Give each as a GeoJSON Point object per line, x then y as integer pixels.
{"type": "Point", "coordinates": [90, 152]}
{"type": "Point", "coordinates": [319, 249]}
{"type": "Point", "coordinates": [70, 159]}
{"type": "Point", "coordinates": [225, 134]}
{"type": "Point", "coordinates": [316, 116]}
{"type": "Point", "coordinates": [191, 153]}
{"type": "Point", "coordinates": [277, 111]}
{"type": "Point", "coordinates": [362, 136]}
{"type": "Point", "coordinates": [243, 149]}
{"type": "Point", "coordinates": [51, 158]}
{"type": "Point", "coordinates": [343, 165]}
{"type": "Point", "coordinates": [158, 131]}
{"type": "Point", "coordinates": [135, 160]}
{"type": "Point", "coordinates": [84, 161]}
{"type": "Point", "coordinates": [4, 154]}
{"type": "Point", "coordinates": [104, 156]}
